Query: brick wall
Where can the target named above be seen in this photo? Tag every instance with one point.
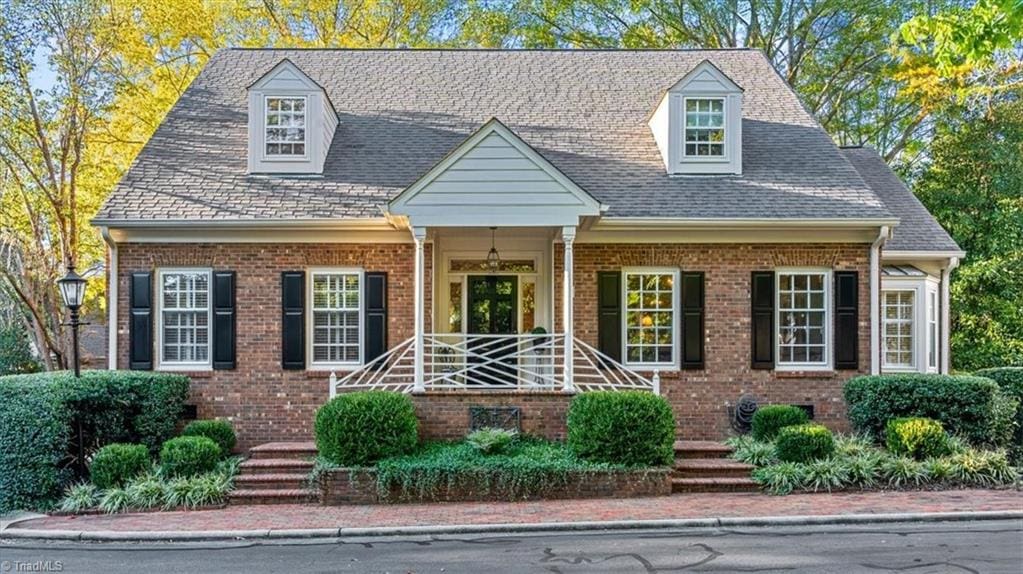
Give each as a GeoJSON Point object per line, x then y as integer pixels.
{"type": "Point", "coordinates": [264, 402]}
{"type": "Point", "coordinates": [701, 398]}
{"type": "Point", "coordinates": [445, 415]}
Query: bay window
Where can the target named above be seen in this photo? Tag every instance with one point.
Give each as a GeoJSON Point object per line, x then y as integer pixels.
{"type": "Point", "coordinates": [898, 314]}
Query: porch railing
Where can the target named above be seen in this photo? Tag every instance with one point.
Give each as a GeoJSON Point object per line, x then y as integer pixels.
{"type": "Point", "coordinates": [478, 362]}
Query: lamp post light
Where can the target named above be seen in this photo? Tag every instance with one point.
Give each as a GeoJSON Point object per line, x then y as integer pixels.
{"type": "Point", "coordinates": [72, 290]}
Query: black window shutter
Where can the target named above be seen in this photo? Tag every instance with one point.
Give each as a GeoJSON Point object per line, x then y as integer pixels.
{"type": "Point", "coordinates": [609, 314]}
{"type": "Point", "coordinates": [375, 315]}
{"type": "Point", "coordinates": [692, 320]}
{"type": "Point", "coordinates": [293, 320]}
{"type": "Point", "coordinates": [140, 322]}
{"type": "Point", "coordinates": [847, 320]}
{"type": "Point", "coordinates": [224, 320]}
{"type": "Point", "coordinates": [762, 330]}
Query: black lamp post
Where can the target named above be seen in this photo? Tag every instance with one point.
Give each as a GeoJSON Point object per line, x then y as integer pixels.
{"type": "Point", "coordinates": [72, 290]}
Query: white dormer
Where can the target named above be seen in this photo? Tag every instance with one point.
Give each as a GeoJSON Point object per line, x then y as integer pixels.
{"type": "Point", "coordinates": [698, 124]}
{"type": "Point", "coordinates": [291, 122]}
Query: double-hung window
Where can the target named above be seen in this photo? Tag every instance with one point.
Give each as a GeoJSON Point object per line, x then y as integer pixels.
{"type": "Point", "coordinates": [285, 133]}
{"type": "Point", "coordinates": [704, 127]}
{"type": "Point", "coordinates": [336, 313]}
{"type": "Point", "coordinates": [932, 329]}
{"type": "Point", "coordinates": [184, 330]}
{"type": "Point", "coordinates": [899, 336]}
{"type": "Point", "coordinates": [650, 316]}
{"type": "Point", "coordinates": [802, 319]}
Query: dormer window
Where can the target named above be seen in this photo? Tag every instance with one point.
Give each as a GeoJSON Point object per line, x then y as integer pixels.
{"type": "Point", "coordinates": [705, 127]}
{"type": "Point", "coordinates": [285, 127]}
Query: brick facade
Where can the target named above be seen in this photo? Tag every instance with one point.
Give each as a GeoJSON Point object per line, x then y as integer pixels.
{"type": "Point", "coordinates": [266, 403]}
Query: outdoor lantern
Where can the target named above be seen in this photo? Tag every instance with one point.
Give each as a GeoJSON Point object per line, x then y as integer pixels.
{"type": "Point", "coordinates": [493, 258]}
{"type": "Point", "coordinates": [72, 289]}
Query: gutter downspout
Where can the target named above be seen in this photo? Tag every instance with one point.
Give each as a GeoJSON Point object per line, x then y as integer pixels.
{"type": "Point", "coordinates": [111, 299]}
{"type": "Point", "coordinates": [875, 298]}
{"type": "Point", "coordinates": [946, 315]}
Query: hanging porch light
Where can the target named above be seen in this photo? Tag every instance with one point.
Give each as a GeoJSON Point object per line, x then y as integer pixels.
{"type": "Point", "coordinates": [493, 257]}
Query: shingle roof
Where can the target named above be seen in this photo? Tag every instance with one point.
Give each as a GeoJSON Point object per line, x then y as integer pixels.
{"type": "Point", "coordinates": [917, 229]}
{"type": "Point", "coordinates": [403, 110]}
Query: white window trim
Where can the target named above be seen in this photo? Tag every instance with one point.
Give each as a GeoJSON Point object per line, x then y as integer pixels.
{"type": "Point", "coordinates": [914, 332]}
{"type": "Point", "coordinates": [933, 304]}
{"type": "Point", "coordinates": [923, 287]}
{"type": "Point", "coordinates": [828, 363]}
{"type": "Point", "coordinates": [162, 365]}
{"type": "Point", "coordinates": [675, 315]}
{"type": "Point", "coordinates": [724, 157]}
{"type": "Point", "coordinates": [305, 133]}
{"type": "Point", "coordinates": [312, 364]}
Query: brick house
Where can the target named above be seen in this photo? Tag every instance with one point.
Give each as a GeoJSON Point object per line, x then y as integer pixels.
{"type": "Point", "coordinates": [508, 228]}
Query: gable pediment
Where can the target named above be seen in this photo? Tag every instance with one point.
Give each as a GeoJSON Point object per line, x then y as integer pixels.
{"type": "Point", "coordinates": [494, 178]}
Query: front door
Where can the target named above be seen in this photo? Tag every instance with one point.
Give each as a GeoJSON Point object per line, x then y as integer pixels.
{"type": "Point", "coordinates": [493, 310]}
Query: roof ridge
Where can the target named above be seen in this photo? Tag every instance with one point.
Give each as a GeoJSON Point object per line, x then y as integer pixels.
{"type": "Point", "coordinates": [494, 50]}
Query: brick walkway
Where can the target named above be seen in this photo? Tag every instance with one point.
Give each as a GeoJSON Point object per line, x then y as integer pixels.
{"type": "Point", "coordinates": [673, 507]}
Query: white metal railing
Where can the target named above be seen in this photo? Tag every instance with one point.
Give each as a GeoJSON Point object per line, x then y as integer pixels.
{"type": "Point", "coordinates": [511, 362]}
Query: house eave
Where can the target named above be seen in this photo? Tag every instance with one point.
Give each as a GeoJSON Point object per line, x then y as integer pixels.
{"type": "Point", "coordinates": [679, 223]}
{"type": "Point", "coordinates": [922, 255]}
{"type": "Point", "coordinates": [377, 223]}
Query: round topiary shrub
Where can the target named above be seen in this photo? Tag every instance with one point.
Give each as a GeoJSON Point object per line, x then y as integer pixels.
{"type": "Point", "coordinates": [804, 443]}
{"type": "Point", "coordinates": [769, 419]}
{"type": "Point", "coordinates": [115, 464]}
{"type": "Point", "coordinates": [360, 428]}
{"type": "Point", "coordinates": [917, 437]}
{"type": "Point", "coordinates": [188, 456]}
{"type": "Point", "coordinates": [219, 431]}
{"type": "Point", "coordinates": [623, 427]}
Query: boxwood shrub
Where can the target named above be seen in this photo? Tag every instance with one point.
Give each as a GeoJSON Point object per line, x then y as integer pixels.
{"type": "Point", "coordinates": [115, 464]}
{"type": "Point", "coordinates": [38, 411]}
{"type": "Point", "coordinates": [219, 431]}
{"type": "Point", "coordinates": [360, 428]}
{"type": "Point", "coordinates": [188, 456]}
{"type": "Point", "coordinates": [916, 437]}
{"type": "Point", "coordinates": [973, 407]}
{"type": "Point", "coordinates": [769, 419]}
{"type": "Point", "coordinates": [622, 427]}
{"type": "Point", "coordinates": [1010, 380]}
{"type": "Point", "coordinates": [804, 443]}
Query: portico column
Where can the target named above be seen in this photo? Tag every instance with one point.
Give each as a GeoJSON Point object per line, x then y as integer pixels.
{"type": "Point", "coordinates": [568, 292]}
{"type": "Point", "coordinates": [418, 380]}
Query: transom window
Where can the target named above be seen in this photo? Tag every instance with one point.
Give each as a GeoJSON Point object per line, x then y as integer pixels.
{"type": "Point", "coordinates": [705, 127]}
{"type": "Point", "coordinates": [184, 317]}
{"type": "Point", "coordinates": [336, 324]}
{"type": "Point", "coordinates": [802, 319]}
{"type": "Point", "coordinates": [650, 317]}
{"type": "Point", "coordinates": [898, 328]}
{"type": "Point", "coordinates": [285, 127]}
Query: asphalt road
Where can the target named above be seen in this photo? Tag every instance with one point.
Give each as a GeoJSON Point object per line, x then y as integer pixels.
{"type": "Point", "coordinates": [988, 546]}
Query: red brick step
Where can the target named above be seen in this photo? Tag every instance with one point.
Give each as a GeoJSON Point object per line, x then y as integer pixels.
{"type": "Point", "coordinates": [681, 485]}
{"type": "Point", "coordinates": [275, 466]}
{"type": "Point", "coordinates": [272, 481]}
{"type": "Point", "coordinates": [712, 468]}
{"type": "Point", "coordinates": [701, 449]}
{"type": "Point", "coordinates": [273, 496]}
{"type": "Point", "coordinates": [279, 450]}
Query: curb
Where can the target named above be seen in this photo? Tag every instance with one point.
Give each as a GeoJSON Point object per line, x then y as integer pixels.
{"type": "Point", "coordinates": [325, 533]}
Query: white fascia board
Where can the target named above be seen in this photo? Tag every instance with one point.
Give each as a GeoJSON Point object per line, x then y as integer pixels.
{"type": "Point", "coordinates": [381, 223]}
{"type": "Point", "coordinates": [887, 255]}
{"type": "Point", "coordinates": [682, 223]}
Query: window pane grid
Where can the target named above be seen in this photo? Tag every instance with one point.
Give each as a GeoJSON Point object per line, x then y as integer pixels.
{"type": "Point", "coordinates": [898, 328]}
{"type": "Point", "coordinates": [185, 317]}
{"type": "Point", "coordinates": [285, 126]}
{"type": "Point", "coordinates": [336, 312]}
{"type": "Point", "coordinates": [705, 127]}
{"type": "Point", "coordinates": [802, 326]}
{"type": "Point", "coordinates": [932, 330]}
{"type": "Point", "coordinates": [650, 317]}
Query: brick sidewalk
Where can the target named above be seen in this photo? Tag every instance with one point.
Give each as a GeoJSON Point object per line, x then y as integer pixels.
{"type": "Point", "coordinates": [673, 507]}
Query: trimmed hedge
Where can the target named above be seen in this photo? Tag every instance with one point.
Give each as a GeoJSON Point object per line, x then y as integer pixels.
{"type": "Point", "coordinates": [769, 419]}
{"type": "Point", "coordinates": [218, 430]}
{"type": "Point", "coordinates": [116, 464]}
{"type": "Point", "coordinates": [973, 407]}
{"type": "Point", "coordinates": [804, 443]}
{"type": "Point", "coordinates": [360, 428]}
{"type": "Point", "coordinates": [188, 456]}
{"type": "Point", "coordinates": [40, 415]}
{"type": "Point", "coordinates": [622, 427]}
{"type": "Point", "coordinates": [1010, 380]}
{"type": "Point", "coordinates": [916, 437]}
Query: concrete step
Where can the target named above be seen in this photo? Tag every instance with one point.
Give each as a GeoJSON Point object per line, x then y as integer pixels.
{"type": "Point", "coordinates": [701, 449]}
{"type": "Point", "coordinates": [286, 481]}
{"type": "Point", "coordinates": [273, 496]}
{"type": "Point", "coordinates": [278, 450]}
{"type": "Point", "coordinates": [275, 466]}
{"type": "Point", "coordinates": [712, 468]}
{"type": "Point", "coordinates": [683, 485]}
